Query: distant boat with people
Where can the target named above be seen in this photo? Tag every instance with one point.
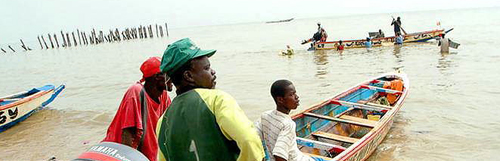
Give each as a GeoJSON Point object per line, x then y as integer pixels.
{"type": "Point", "coordinates": [279, 21]}
{"type": "Point", "coordinates": [377, 42]}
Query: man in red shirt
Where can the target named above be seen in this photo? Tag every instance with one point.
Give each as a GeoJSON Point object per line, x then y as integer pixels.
{"type": "Point", "coordinates": [128, 125]}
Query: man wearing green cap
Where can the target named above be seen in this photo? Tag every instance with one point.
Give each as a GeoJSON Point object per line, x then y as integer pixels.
{"type": "Point", "coordinates": [202, 123]}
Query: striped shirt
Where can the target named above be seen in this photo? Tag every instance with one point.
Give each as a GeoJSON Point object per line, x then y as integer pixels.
{"type": "Point", "coordinates": [278, 134]}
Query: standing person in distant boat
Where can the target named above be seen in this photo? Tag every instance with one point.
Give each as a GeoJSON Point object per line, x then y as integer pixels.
{"type": "Point", "coordinates": [142, 102]}
{"type": "Point", "coordinates": [397, 25]}
{"type": "Point", "coordinates": [444, 43]}
{"type": "Point", "coordinates": [319, 27]}
{"type": "Point", "coordinates": [202, 123]}
{"type": "Point", "coordinates": [324, 36]}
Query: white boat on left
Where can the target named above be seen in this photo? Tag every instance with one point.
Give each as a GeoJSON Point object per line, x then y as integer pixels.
{"type": "Point", "coordinates": [17, 107]}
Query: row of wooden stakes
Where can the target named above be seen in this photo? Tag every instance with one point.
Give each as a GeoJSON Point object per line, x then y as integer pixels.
{"type": "Point", "coordinates": [94, 38]}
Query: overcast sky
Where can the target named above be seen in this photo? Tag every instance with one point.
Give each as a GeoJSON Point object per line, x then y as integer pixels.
{"type": "Point", "coordinates": [20, 17]}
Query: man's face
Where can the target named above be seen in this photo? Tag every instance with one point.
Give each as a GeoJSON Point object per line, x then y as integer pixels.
{"type": "Point", "coordinates": [161, 81]}
{"type": "Point", "coordinates": [202, 74]}
{"type": "Point", "coordinates": [291, 99]}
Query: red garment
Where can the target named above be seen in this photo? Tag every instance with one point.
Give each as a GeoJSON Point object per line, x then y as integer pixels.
{"type": "Point", "coordinates": [129, 115]}
{"type": "Point", "coordinates": [340, 47]}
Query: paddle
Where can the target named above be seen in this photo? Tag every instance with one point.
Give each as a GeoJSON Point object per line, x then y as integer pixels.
{"type": "Point", "coordinates": [399, 25]}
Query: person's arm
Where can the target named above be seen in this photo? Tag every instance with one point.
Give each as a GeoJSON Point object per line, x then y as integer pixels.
{"type": "Point", "coordinates": [128, 137]}
{"type": "Point", "coordinates": [277, 158]}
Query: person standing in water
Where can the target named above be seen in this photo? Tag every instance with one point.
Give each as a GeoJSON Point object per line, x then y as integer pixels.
{"type": "Point", "coordinates": [444, 43]}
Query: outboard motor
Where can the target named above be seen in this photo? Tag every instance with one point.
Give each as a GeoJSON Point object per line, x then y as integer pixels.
{"type": "Point", "coordinates": [110, 151]}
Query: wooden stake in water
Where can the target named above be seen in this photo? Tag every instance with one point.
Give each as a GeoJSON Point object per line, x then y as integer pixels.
{"type": "Point", "coordinates": [12, 49]}
{"type": "Point", "coordinates": [157, 30]}
{"type": "Point", "coordinates": [50, 38]}
{"type": "Point", "coordinates": [79, 37]}
{"type": "Point", "coordinates": [46, 47]}
{"type": "Point", "coordinates": [150, 31]}
{"type": "Point", "coordinates": [84, 38]}
{"type": "Point", "coordinates": [161, 31]}
{"type": "Point", "coordinates": [166, 28]}
{"type": "Point", "coordinates": [38, 37]}
{"type": "Point", "coordinates": [69, 40]}
{"type": "Point", "coordinates": [64, 40]}
{"type": "Point", "coordinates": [55, 38]}
{"type": "Point", "coordinates": [74, 39]}
{"type": "Point", "coordinates": [23, 46]}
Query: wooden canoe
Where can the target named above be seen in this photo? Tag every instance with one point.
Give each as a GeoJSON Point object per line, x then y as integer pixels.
{"type": "Point", "coordinates": [345, 127]}
{"type": "Point", "coordinates": [17, 107]}
{"type": "Point", "coordinates": [279, 21]}
{"type": "Point", "coordinates": [377, 42]}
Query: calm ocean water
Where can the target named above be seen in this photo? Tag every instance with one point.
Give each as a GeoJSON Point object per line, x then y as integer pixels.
{"type": "Point", "coordinates": [450, 114]}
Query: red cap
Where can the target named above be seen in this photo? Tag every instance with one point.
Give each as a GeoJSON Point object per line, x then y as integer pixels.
{"type": "Point", "coordinates": [150, 67]}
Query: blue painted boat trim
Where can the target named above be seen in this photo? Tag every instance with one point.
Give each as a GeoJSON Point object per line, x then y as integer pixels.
{"type": "Point", "coordinates": [56, 93]}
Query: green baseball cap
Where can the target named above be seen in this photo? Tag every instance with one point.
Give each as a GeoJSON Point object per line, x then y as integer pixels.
{"type": "Point", "coordinates": [179, 53]}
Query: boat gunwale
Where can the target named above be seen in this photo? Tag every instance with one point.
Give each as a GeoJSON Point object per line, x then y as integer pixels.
{"type": "Point", "coordinates": [26, 99]}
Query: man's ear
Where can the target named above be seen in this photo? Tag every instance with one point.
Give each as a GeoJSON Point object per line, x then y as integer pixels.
{"type": "Point", "coordinates": [188, 76]}
{"type": "Point", "coordinates": [279, 100]}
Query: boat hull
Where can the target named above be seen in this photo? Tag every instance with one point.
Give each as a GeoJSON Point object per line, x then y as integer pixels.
{"type": "Point", "coordinates": [377, 42]}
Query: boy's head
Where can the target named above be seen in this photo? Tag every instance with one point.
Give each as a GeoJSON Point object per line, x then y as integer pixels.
{"type": "Point", "coordinates": [284, 94]}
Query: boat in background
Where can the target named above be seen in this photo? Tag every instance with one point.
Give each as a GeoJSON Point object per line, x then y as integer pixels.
{"type": "Point", "coordinates": [287, 20]}
{"type": "Point", "coordinates": [377, 42]}
{"type": "Point", "coordinates": [350, 125]}
{"type": "Point", "coordinates": [17, 107]}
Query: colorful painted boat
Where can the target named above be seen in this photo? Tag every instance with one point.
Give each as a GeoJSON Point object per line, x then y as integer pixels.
{"type": "Point", "coordinates": [350, 126]}
{"type": "Point", "coordinates": [17, 107]}
{"type": "Point", "coordinates": [377, 42]}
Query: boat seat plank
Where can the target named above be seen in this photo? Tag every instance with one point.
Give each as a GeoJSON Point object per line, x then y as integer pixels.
{"type": "Point", "coordinates": [335, 137]}
{"type": "Point", "coordinates": [381, 89]}
{"type": "Point", "coordinates": [338, 119]}
{"type": "Point", "coordinates": [320, 145]}
{"type": "Point", "coordinates": [367, 102]}
{"type": "Point", "coordinates": [360, 106]}
{"type": "Point", "coordinates": [317, 156]}
{"type": "Point", "coordinates": [357, 119]}
{"type": "Point", "coordinates": [378, 105]}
